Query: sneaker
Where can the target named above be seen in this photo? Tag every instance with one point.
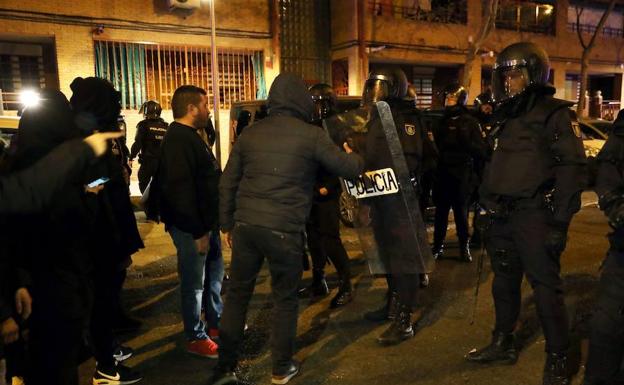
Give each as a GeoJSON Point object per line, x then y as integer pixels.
{"type": "Point", "coordinates": [213, 334]}
{"type": "Point", "coordinates": [223, 376]}
{"type": "Point", "coordinates": [118, 375]}
{"type": "Point", "coordinates": [122, 353]}
{"type": "Point", "coordinates": [205, 348]}
{"type": "Point", "coordinates": [292, 371]}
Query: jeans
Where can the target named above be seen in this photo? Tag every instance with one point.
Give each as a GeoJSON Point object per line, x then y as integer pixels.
{"type": "Point", "coordinates": [251, 245]}
{"type": "Point", "coordinates": [2, 372]}
{"type": "Point", "coordinates": [213, 305]}
{"type": "Point", "coordinates": [191, 267]}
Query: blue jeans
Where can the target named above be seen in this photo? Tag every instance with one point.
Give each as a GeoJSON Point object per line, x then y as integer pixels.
{"type": "Point", "coordinates": [213, 305]}
{"type": "Point", "coordinates": [191, 265]}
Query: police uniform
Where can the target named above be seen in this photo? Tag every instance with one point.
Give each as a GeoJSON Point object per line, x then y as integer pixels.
{"type": "Point", "coordinates": [323, 225]}
{"type": "Point", "coordinates": [460, 147]}
{"type": "Point", "coordinates": [400, 252]}
{"type": "Point", "coordinates": [532, 187]}
{"type": "Point", "coordinates": [149, 136]}
{"type": "Point", "coordinates": [606, 343]}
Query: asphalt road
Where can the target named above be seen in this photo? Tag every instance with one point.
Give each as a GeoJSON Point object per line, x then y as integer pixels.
{"type": "Point", "coordinates": [339, 347]}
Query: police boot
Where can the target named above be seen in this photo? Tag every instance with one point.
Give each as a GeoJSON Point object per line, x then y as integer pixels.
{"type": "Point", "coordinates": [386, 312]}
{"type": "Point", "coordinates": [464, 254]}
{"type": "Point", "coordinates": [343, 297]}
{"type": "Point", "coordinates": [318, 287]}
{"type": "Point", "coordinates": [438, 251]}
{"type": "Point", "coordinates": [502, 349]}
{"type": "Point", "coordinates": [556, 370]}
{"type": "Point", "coordinates": [400, 329]}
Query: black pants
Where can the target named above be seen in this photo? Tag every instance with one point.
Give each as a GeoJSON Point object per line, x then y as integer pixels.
{"type": "Point", "coordinates": [57, 327]}
{"type": "Point", "coordinates": [450, 194]}
{"type": "Point", "coordinates": [251, 245]}
{"type": "Point", "coordinates": [146, 172]}
{"type": "Point", "coordinates": [406, 286]}
{"type": "Point", "coordinates": [324, 240]}
{"type": "Point", "coordinates": [54, 349]}
{"type": "Point", "coordinates": [606, 342]}
{"type": "Point", "coordinates": [517, 247]}
{"type": "Point", "coordinates": [108, 282]}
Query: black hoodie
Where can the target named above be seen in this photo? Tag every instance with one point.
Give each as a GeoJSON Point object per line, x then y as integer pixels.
{"type": "Point", "coordinates": [270, 175]}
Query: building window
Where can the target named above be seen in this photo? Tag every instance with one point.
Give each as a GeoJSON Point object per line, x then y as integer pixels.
{"type": "Point", "coordinates": [153, 71]}
{"type": "Point", "coordinates": [424, 90]}
{"type": "Point", "coordinates": [433, 11]}
{"type": "Point", "coordinates": [526, 16]}
{"type": "Point", "coordinates": [305, 39]}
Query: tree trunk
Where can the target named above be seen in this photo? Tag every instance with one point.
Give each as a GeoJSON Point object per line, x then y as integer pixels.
{"type": "Point", "coordinates": [584, 67]}
{"type": "Point", "coordinates": [470, 60]}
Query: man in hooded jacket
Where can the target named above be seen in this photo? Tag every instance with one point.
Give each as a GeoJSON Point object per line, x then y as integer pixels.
{"type": "Point", "coordinates": [265, 197]}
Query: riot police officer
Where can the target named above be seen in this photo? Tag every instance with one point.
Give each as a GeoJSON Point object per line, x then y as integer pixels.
{"type": "Point", "coordinates": [606, 342]}
{"type": "Point", "coordinates": [150, 133]}
{"type": "Point", "coordinates": [402, 247]}
{"type": "Point", "coordinates": [323, 227]}
{"type": "Point", "coordinates": [532, 187]}
{"type": "Point", "coordinates": [460, 146]}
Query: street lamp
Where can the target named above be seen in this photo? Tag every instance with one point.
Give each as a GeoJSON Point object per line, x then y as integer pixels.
{"type": "Point", "coordinates": [215, 74]}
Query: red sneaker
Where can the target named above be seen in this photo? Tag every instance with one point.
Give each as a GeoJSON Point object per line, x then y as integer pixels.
{"type": "Point", "coordinates": [205, 348]}
{"type": "Point", "coordinates": [213, 333]}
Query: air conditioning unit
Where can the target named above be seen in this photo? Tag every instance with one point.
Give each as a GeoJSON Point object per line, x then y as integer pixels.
{"type": "Point", "coordinates": [183, 4]}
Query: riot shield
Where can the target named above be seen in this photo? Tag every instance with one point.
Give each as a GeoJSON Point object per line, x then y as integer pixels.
{"type": "Point", "coordinates": [387, 216]}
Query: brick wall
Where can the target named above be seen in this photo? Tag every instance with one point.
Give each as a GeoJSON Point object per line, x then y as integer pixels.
{"type": "Point", "coordinates": [74, 43]}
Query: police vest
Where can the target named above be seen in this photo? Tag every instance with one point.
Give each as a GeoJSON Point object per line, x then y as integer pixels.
{"type": "Point", "coordinates": [522, 160]}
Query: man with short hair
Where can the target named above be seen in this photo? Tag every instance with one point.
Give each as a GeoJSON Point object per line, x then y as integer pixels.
{"type": "Point", "coordinates": [188, 177]}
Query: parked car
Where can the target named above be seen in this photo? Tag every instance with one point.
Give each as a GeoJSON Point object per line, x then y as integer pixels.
{"type": "Point", "coordinates": [8, 128]}
{"type": "Point", "coordinates": [593, 136]}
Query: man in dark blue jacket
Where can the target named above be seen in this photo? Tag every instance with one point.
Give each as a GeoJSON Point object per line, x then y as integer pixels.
{"type": "Point", "coordinates": [265, 197]}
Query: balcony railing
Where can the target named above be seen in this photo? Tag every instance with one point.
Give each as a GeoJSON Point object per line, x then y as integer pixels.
{"type": "Point", "coordinates": [589, 28]}
{"type": "Point", "coordinates": [448, 12]}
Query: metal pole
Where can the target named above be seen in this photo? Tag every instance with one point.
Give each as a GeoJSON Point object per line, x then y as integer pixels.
{"type": "Point", "coordinates": [215, 83]}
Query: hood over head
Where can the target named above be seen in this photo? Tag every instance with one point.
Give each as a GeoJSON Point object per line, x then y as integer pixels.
{"type": "Point", "coordinates": [289, 96]}
{"type": "Point", "coordinates": [44, 127]}
{"type": "Point", "coordinates": [95, 101]}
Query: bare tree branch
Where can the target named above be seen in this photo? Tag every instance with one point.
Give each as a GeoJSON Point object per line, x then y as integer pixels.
{"type": "Point", "coordinates": [579, 12]}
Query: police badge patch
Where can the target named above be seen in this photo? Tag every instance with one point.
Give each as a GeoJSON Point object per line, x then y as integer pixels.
{"type": "Point", "coordinates": [576, 128]}
{"type": "Point", "coordinates": [410, 129]}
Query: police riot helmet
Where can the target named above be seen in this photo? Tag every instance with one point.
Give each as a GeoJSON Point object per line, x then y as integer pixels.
{"type": "Point", "coordinates": [412, 95]}
{"type": "Point", "coordinates": [384, 84]}
{"type": "Point", "coordinates": [454, 92]}
{"type": "Point", "coordinates": [518, 67]}
{"type": "Point", "coordinates": [324, 100]}
{"type": "Point", "coordinates": [151, 109]}
{"type": "Point", "coordinates": [484, 98]}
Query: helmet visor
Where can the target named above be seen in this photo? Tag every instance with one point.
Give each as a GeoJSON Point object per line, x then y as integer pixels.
{"type": "Point", "coordinates": [508, 82]}
{"type": "Point", "coordinates": [322, 106]}
{"type": "Point", "coordinates": [374, 91]}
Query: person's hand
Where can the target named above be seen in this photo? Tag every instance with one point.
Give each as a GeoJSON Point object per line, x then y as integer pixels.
{"type": "Point", "coordinates": [9, 331]}
{"type": "Point", "coordinates": [23, 302]}
{"type": "Point", "coordinates": [323, 191]}
{"type": "Point", "coordinates": [228, 238]}
{"type": "Point", "coordinates": [557, 238]}
{"type": "Point", "coordinates": [346, 147]}
{"type": "Point", "coordinates": [202, 244]}
{"type": "Point", "coordinates": [94, 190]}
{"type": "Point", "coordinates": [99, 141]}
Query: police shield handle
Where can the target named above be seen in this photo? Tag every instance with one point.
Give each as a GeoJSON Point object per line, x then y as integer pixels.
{"type": "Point", "coordinates": [99, 141]}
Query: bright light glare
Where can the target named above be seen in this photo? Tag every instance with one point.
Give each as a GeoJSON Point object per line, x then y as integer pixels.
{"type": "Point", "coordinates": [548, 9]}
{"type": "Point", "coordinates": [29, 98]}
